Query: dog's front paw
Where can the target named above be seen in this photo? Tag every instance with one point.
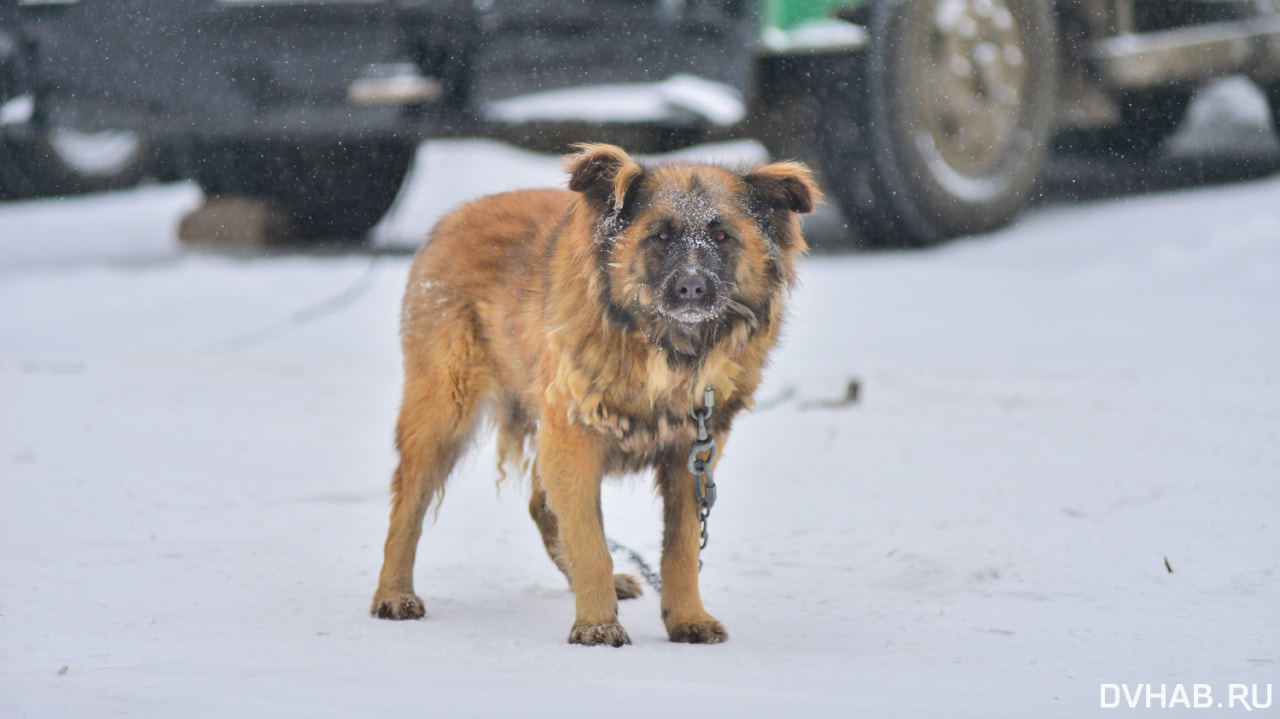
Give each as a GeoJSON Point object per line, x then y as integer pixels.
{"type": "Point", "coordinates": [625, 586]}
{"type": "Point", "coordinates": [397, 605]}
{"type": "Point", "coordinates": [592, 634]}
{"type": "Point", "coordinates": [707, 631]}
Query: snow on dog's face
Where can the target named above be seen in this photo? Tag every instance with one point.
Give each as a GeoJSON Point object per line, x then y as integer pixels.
{"type": "Point", "coordinates": [689, 253]}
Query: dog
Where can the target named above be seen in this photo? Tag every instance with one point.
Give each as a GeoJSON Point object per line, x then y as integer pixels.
{"type": "Point", "coordinates": [587, 324]}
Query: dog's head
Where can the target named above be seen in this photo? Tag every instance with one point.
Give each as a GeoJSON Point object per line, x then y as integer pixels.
{"type": "Point", "coordinates": [687, 249]}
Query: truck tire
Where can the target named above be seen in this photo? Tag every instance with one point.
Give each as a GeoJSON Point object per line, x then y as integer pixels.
{"type": "Point", "coordinates": [942, 127]}
{"type": "Point", "coordinates": [1147, 119]}
{"type": "Point", "coordinates": [1273, 99]}
{"type": "Point", "coordinates": [334, 191]}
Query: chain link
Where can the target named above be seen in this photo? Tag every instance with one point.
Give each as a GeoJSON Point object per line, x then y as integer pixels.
{"type": "Point", "coordinates": [704, 483]}
{"type": "Point", "coordinates": [653, 578]}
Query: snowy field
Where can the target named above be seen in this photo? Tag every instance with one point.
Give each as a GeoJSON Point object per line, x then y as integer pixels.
{"type": "Point", "coordinates": [1063, 472]}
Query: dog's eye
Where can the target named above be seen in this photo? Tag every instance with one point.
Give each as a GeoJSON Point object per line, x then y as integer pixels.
{"type": "Point", "coordinates": [664, 235]}
{"type": "Point", "coordinates": [719, 236]}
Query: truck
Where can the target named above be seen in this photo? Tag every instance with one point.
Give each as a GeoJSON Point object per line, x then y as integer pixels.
{"type": "Point", "coordinates": [927, 119]}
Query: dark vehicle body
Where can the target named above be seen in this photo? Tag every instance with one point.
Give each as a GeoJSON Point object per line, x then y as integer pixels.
{"type": "Point", "coordinates": [294, 70]}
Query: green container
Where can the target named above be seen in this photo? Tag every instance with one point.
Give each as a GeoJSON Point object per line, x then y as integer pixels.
{"type": "Point", "coordinates": [786, 14]}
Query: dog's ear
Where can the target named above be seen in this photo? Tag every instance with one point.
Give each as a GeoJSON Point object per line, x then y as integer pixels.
{"type": "Point", "coordinates": [602, 174]}
{"type": "Point", "coordinates": [787, 185]}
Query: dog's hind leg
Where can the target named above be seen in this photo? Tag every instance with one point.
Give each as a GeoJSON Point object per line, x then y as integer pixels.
{"type": "Point", "coordinates": [549, 527]}
{"type": "Point", "coordinates": [624, 585]}
{"type": "Point", "coordinates": [442, 396]}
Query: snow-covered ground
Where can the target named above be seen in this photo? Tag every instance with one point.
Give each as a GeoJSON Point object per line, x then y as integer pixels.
{"type": "Point", "coordinates": [195, 450]}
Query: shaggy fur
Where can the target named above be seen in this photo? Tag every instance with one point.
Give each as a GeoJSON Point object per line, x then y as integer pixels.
{"type": "Point", "coordinates": [588, 323]}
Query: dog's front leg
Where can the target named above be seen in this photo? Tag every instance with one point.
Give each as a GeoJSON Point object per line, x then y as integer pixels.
{"type": "Point", "coordinates": [571, 466]}
{"type": "Point", "coordinates": [682, 611]}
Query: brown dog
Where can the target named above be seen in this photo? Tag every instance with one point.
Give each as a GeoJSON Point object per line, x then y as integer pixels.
{"type": "Point", "coordinates": [588, 323]}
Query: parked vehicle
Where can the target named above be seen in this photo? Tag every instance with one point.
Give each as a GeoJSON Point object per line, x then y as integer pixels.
{"type": "Point", "coordinates": [928, 118]}
{"type": "Point", "coordinates": [940, 125]}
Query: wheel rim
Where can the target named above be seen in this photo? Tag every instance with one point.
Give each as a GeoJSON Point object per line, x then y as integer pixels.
{"type": "Point", "coordinates": [967, 61]}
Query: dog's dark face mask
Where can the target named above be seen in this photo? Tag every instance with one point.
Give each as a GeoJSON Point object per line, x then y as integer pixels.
{"type": "Point", "coordinates": [690, 256]}
{"type": "Point", "coordinates": [689, 252]}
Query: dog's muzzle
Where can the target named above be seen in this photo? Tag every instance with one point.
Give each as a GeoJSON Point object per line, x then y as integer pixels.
{"type": "Point", "coordinates": [691, 297]}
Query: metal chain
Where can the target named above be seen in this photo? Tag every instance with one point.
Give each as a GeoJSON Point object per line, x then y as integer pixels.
{"type": "Point", "coordinates": [704, 483]}
{"type": "Point", "coordinates": [646, 572]}
{"type": "Point", "coordinates": [704, 489]}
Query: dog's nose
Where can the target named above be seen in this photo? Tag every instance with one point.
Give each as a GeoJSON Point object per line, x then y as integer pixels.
{"type": "Point", "coordinates": [691, 288]}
